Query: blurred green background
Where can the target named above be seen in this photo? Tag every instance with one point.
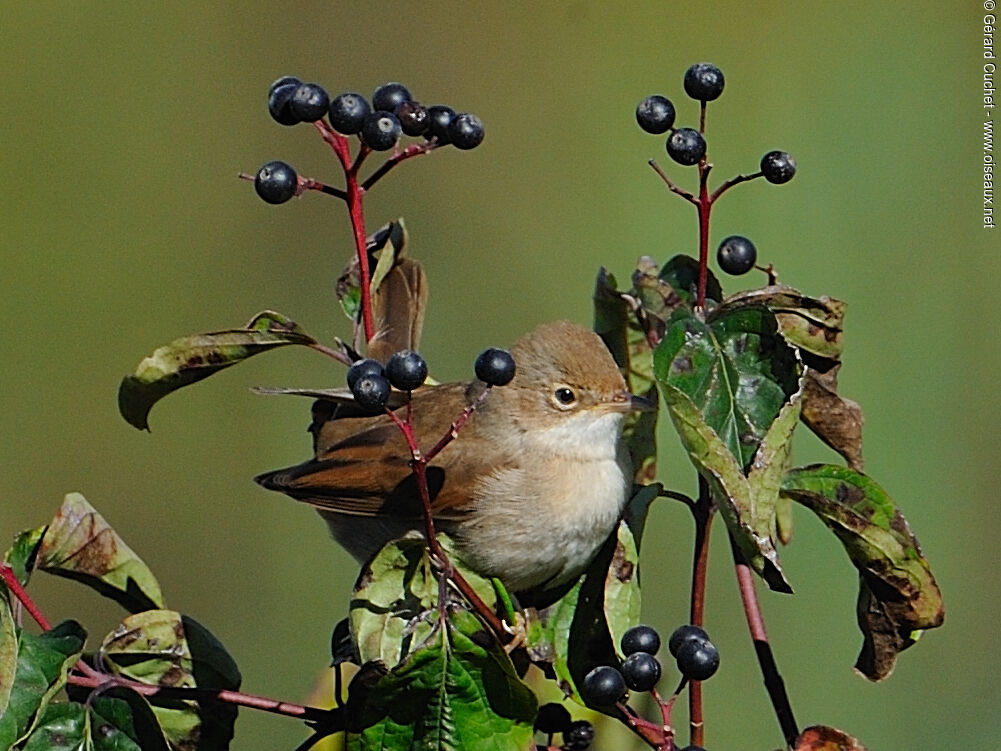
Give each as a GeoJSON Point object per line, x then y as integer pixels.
{"type": "Point", "coordinates": [124, 226]}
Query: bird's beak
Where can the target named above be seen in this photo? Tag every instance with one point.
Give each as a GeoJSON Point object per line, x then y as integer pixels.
{"type": "Point", "coordinates": [626, 402]}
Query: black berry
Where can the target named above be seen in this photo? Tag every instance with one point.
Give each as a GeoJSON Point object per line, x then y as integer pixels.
{"type": "Point", "coordinates": [698, 660]}
{"type": "Point", "coordinates": [280, 95]}
{"type": "Point", "coordinates": [686, 146]}
{"type": "Point", "coordinates": [641, 671]}
{"type": "Point", "coordinates": [736, 255]}
{"type": "Point", "coordinates": [683, 634]}
{"type": "Point", "coordinates": [640, 639]}
{"type": "Point", "coordinates": [655, 114]}
{"type": "Point", "coordinates": [495, 367]}
{"type": "Point", "coordinates": [704, 81]}
{"type": "Point", "coordinates": [348, 112]}
{"type": "Point", "coordinates": [389, 96]}
{"type": "Point", "coordinates": [364, 367]}
{"type": "Point", "coordinates": [603, 686]}
{"type": "Point", "coordinates": [380, 131]}
{"type": "Point", "coordinates": [371, 393]}
{"type": "Point", "coordinates": [465, 131]}
{"type": "Point", "coordinates": [413, 118]}
{"type": "Point", "coordinates": [276, 182]}
{"type": "Point", "coordinates": [778, 167]}
{"type": "Point", "coordinates": [552, 718]}
{"type": "Point", "coordinates": [579, 736]}
{"type": "Point", "coordinates": [406, 370]}
{"type": "Point", "coordinates": [439, 118]}
{"type": "Point", "coordinates": [310, 102]}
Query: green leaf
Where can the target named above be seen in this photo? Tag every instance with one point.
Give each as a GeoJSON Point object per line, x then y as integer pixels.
{"type": "Point", "coordinates": [165, 648]}
{"type": "Point", "coordinates": [457, 690]}
{"type": "Point", "coordinates": [622, 590]}
{"type": "Point", "coordinates": [682, 274]}
{"type": "Point", "coordinates": [105, 724]}
{"type": "Point", "coordinates": [395, 593]}
{"type": "Point", "coordinates": [21, 555]}
{"type": "Point", "coordinates": [191, 358]}
{"type": "Point", "coordinates": [8, 653]}
{"type": "Point", "coordinates": [79, 544]}
{"type": "Point", "coordinates": [898, 595]}
{"type": "Point", "coordinates": [43, 662]}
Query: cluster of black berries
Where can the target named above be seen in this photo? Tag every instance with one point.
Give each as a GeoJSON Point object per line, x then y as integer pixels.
{"type": "Point", "coordinates": [554, 718]}
{"type": "Point", "coordinates": [370, 382]}
{"type": "Point", "coordinates": [687, 146]}
{"type": "Point", "coordinates": [697, 659]}
{"type": "Point", "coordinates": [392, 112]}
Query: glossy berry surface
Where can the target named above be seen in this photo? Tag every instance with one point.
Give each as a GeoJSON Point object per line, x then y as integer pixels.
{"type": "Point", "coordinates": [348, 112]}
{"type": "Point", "coordinates": [655, 114]}
{"type": "Point", "coordinates": [736, 255]}
{"type": "Point", "coordinates": [698, 660]}
{"type": "Point", "coordinates": [641, 671]}
{"type": "Point", "coordinates": [406, 370]}
{"type": "Point", "coordinates": [380, 131]}
{"type": "Point", "coordinates": [413, 118]}
{"type": "Point", "coordinates": [364, 367]}
{"type": "Point", "coordinates": [778, 167]}
{"type": "Point", "coordinates": [579, 736]}
{"type": "Point", "coordinates": [552, 718]}
{"type": "Point", "coordinates": [686, 146]}
{"type": "Point", "coordinates": [280, 95]}
{"type": "Point", "coordinates": [495, 367]}
{"type": "Point", "coordinates": [371, 393]}
{"type": "Point", "coordinates": [389, 96]}
{"type": "Point", "coordinates": [640, 639]}
{"type": "Point", "coordinates": [465, 131]}
{"type": "Point", "coordinates": [603, 686]}
{"type": "Point", "coordinates": [683, 634]}
{"type": "Point", "coordinates": [276, 182]}
{"type": "Point", "coordinates": [440, 117]}
{"type": "Point", "coordinates": [309, 102]}
{"type": "Point", "coordinates": [704, 81]}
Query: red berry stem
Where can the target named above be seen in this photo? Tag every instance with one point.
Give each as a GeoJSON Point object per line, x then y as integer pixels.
{"type": "Point", "coordinates": [774, 684]}
{"type": "Point", "coordinates": [731, 182]}
{"type": "Point", "coordinates": [703, 514]}
{"type": "Point", "coordinates": [411, 151]}
{"type": "Point", "coordinates": [10, 579]}
{"type": "Point", "coordinates": [654, 735]}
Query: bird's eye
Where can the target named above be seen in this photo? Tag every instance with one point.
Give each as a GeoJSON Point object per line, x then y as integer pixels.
{"type": "Point", "coordinates": [565, 396]}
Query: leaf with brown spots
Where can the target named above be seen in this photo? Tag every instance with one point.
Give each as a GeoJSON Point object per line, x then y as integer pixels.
{"type": "Point", "coordinates": [166, 648]}
{"type": "Point", "coordinates": [822, 738]}
{"type": "Point", "coordinates": [189, 359]}
{"type": "Point", "coordinates": [898, 595]}
{"type": "Point", "coordinates": [79, 544]}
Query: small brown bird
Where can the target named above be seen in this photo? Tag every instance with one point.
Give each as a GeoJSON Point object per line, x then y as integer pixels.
{"type": "Point", "coordinates": [529, 490]}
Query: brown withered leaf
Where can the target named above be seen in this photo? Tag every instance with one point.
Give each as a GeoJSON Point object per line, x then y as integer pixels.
{"type": "Point", "coordinates": [823, 738]}
{"type": "Point", "coordinates": [836, 421]}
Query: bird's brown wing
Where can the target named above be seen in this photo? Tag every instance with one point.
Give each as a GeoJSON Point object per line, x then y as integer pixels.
{"type": "Point", "coordinates": [362, 463]}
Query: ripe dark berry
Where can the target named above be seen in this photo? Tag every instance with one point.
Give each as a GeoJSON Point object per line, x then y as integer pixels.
{"type": "Point", "coordinates": [686, 146]}
{"type": "Point", "coordinates": [778, 167]}
{"type": "Point", "coordinates": [736, 255]}
{"type": "Point", "coordinates": [641, 671]}
{"type": "Point", "coordinates": [348, 112]}
{"type": "Point", "coordinates": [309, 102]}
{"type": "Point", "coordinates": [389, 96]}
{"type": "Point", "coordinates": [439, 118]}
{"type": "Point", "coordinates": [364, 367]}
{"type": "Point", "coordinates": [603, 686]}
{"type": "Point", "coordinates": [380, 131]}
{"type": "Point", "coordinates": [406, 370]}
{"type": "Point", "coordinates": [683, 634]}
{"type": "Point", "coordinates": [704, 81]}
{"type": "Point", "coordinates": [276, 182]}
{"type": "Point", "coordinates": [371, 393]}
{"type": "Point", "coordinates": [413, 118]}
{"type": "Point", "coordinates": [655, 114]}
{"type": "Point", "coordinates": [698, 660]}
{"type": "Point", "coordinates": [579, 736]}
{"type": "Point", "coordinates": [465, 131]}
{"type": "Point", "coordinates": [280, 95]}
{"type": "Point", "coordinates": [495, 367]}
{"type": "Point", "coordinates": [552, 718]}
{"type": "Point", "coordinates": [640, 639]}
